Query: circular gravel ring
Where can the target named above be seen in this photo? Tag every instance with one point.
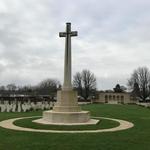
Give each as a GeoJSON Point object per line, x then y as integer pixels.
{"type": "Point", "coordinates": [8, 124]}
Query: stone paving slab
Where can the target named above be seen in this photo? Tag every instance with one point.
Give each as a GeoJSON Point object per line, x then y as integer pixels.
{"type": "Point", "coordinates": [90, 122]}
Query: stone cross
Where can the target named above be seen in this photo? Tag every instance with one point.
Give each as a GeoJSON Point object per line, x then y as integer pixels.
{"type": "Point", "coordinates": [67, 63]}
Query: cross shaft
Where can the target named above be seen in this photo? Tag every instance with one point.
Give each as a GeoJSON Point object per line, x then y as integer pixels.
{"type": "Point", "coordinates": [67, 85]}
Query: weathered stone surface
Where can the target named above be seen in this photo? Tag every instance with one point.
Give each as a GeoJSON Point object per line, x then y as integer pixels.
{"type": "Point", "coordinates": [67, 102]}
{"type": "Point", "coordinates": [66, 117]}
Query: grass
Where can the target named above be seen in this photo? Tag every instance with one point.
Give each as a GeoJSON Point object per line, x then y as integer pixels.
{"type": "Point", "coordinates": [137, 138]}
{"type": "Point", "coordinates": [103, 124]}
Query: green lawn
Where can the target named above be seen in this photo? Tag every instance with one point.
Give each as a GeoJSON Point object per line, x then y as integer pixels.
{"type": "Point", "coordinates": [137, 138]}
{"type": "Point", "coordinates": [102, 124]}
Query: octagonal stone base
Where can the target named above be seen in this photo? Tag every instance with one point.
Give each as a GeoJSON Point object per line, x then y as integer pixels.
{"type": "Point", "coordinates": [66, 118]}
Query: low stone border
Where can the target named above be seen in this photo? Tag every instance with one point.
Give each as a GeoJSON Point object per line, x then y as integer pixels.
{"type": "Point", "coordinates": [8, 124]}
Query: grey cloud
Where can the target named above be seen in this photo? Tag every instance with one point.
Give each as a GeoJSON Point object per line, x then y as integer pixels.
{"type": "Point", "coordinates": [113, 38]}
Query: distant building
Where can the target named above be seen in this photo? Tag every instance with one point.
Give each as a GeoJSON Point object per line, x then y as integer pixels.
{"type": "Point", "coordinates": [115, 98]}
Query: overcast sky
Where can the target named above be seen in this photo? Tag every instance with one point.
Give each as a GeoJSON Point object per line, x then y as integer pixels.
{"type": "Point", "coordinates": [113, 39]}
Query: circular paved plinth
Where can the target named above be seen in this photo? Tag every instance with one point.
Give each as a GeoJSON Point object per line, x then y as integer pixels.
{"type": "Point", "coordinates": [123, 126]}
{"type": "Point", "coordinates": [89, 122]}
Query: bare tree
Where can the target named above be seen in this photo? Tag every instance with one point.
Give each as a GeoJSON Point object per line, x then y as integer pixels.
{"type": "Point", "coordinates": [85, 83]}
{"type": "Point", "coordinates": [26, 90]}
{"type": "Point", "coordinates": [136, 91]}
{"type": "Point", "coordinates": [2, 89]}
{"type": "Point", "coordinates": [77, 82]}
{"type": "Point", "coordinates": [11, 87]}
{"type": "Point", "coordinates": [141, 76]}
{"type": "Point", "coordinates": [48, 86]}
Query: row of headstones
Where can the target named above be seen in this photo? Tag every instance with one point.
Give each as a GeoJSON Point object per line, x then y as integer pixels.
{"type": "Point", "coordinates": [143, 104]}
{"type": "Point", "coordinates": [18, 106]}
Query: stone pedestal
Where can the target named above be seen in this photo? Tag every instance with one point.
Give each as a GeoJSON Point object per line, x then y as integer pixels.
{"type": "Point", "coordinates": [67, 102]}
{"type": "Point", "coordinates": [66, 117]}
{"type": "Point", "coordinates": [66, 111]}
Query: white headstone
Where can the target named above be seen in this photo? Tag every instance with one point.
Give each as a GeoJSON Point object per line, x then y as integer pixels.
{"type": "Point", "coordinates": [3, 107]}
{"type": "Point", "coordinates": [19, 107]}
{"type": "Point", "coordinates": [14, 107]}
{"type": "Point", "coordinates": [24, 108]}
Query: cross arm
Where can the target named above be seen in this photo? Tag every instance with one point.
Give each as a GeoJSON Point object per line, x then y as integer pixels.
{"type": "Point", "coordinates": [74, 33]}
{"type": "Point", "coordinates": [62, 34]}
